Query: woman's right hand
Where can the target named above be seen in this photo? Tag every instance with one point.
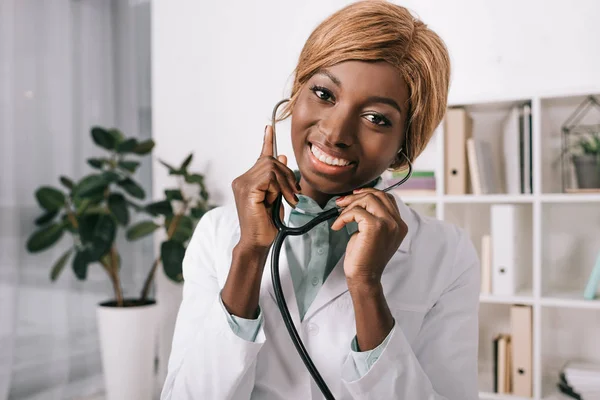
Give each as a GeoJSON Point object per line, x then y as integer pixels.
{"type": "Point", "coordinates": [256, 190]}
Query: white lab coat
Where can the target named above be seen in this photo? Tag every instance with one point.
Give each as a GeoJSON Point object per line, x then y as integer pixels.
{"type": "Point", "coordinates": [432, 288]}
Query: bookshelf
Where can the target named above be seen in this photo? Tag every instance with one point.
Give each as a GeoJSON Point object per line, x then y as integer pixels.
{"type": "Point", "coordinates": [564, 241]}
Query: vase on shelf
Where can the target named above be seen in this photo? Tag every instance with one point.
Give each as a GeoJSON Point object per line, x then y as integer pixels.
{"type": "Point", "coordinates": [587, 171]}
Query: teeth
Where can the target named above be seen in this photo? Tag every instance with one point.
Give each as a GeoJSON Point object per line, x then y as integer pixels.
{"type": "Point", "coordinates": [327, 159]}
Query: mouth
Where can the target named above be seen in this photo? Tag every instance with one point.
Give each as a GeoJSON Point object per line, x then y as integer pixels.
{"type": "Point", "coordinates": [328, 163]}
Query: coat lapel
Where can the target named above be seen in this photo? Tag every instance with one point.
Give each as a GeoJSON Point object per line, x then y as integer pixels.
{"type": "Point", "coordinates": [335, 285]}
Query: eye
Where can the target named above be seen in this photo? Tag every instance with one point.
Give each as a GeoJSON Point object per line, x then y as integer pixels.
{"type": "Point", "coordinates": [322, 93]}
{"type": "Point", "coordinates": [378, 119]}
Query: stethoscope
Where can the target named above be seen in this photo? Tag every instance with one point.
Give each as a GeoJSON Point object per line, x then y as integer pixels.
{"type": "Point", "coordinates": [285, 231]}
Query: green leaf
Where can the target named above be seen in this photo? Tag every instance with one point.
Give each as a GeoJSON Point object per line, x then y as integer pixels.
{"type": "Point", "coordinates": [82, 205]}
{"type": "Point", "coordinates": [91, 185]}
{"type": "Point", "coordinates": [194, 178]}
{"type": "Point", "coordinates": [132, 188]}
{"type": "Point", "coordinates": [144, 147]}
{"type": "Point", "coordinates": [80, 263]}
{"type": "Point", "coordinates": [97, 163]}
{"type": "Point", "coordinates": [162, 207]}
{"type": "Point", "coordinates": [172, 170]}
{"type": "Point", "coordinates": [184, 230]}
{"type": "Point", "coordinates": [68, 183]}
{"type": "Point", "coordinates": [110, 176]}
{"type": "Point", "coordinates": [127, 146]}
{"type": "Point", "coordinates": [198, 212]}
{"type": "Point", "coordinates": [141, 229]}
{"type": "Point", "coordinates": [117, 135]}
{"type": "Point", "coordinates": [49, 198]}
{"type": "Point", "coordinates": [171, 254]}
{"type": "Point", "coordinates": [204, 194]}
{"type": "Point", "coordinates": [97, 232]}
{"type": "Point", "coordinates": [130, 166]}
{"type": "Point", "coordinates": [59, 265]}
{"type": "Point", "coordinates": [118, 206]}
{"type": "Point", "coordinates": [104, 138]}
{"type": "Point", "coordinates": [174, 195]}
{"type": "Point", "coordinates": [186, 162]}
{"type": "Point", "coordinates": [45, 237]}
{"type": "Point", "coordinates": [47, 217]}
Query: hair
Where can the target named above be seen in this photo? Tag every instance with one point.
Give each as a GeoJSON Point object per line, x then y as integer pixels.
{"type": "Point", "coordinates": [380, 31]}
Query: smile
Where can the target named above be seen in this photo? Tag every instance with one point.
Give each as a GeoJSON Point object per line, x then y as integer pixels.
{"type": "Point", "coordinates": [328, 158]}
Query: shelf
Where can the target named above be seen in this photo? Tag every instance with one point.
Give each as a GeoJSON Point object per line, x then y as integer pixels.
{"type": "Point", "coordinates": [570, 197]}
{"type": "Point", "coordinates": [548, 198]}
{"type": "Point", "coordinates": [497, 396]}
{"type": "Point", "coordinates": [412, 199]}
{"type": "Point", "coordinates": [488, 198]}
{"type": "Point", "coordinates": [557, 396]}
{"type": "Point", "coordinates": [518, 299]}
{"type": "Point", "coordinates": [569, 300]}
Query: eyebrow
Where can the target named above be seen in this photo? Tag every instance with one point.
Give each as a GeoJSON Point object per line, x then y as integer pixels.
{"type": "Point", "coordinates": [372, 99]}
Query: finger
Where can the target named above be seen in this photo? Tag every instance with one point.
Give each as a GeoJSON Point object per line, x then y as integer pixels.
{"type": "Point", "coordinates": [281, 163]}
{"type": "Point", "coordinates": [372, 205]}
{"type": "Point", "coordinates": [285, 185]}
{"type": "Point", "coordinates": [385, 198]}
{"type": "Point", "coordinates": [272, 183]}
{"type": "Point", "coordinates": [357, 214]}
{"type": "Point", "coordinates": [273, 189]}
{"type": "Point", "coordinates": [267, 148]}
{"type": "Point", "coordinates": [265, 189]}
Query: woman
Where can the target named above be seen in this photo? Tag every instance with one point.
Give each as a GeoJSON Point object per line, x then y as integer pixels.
{"type": "Point", "coordinates": [385, 300]}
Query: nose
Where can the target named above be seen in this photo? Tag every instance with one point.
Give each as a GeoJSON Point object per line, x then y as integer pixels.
{"type": "Point", "coordinates": [337, 127]}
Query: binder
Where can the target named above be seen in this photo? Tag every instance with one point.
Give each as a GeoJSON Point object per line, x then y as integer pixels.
{"type": "Point", "coordinates": [510, 239]}
{"type": "Point", "coordinates": [521, 323]}
{"type": "Point", "coordinates": [458, 126]}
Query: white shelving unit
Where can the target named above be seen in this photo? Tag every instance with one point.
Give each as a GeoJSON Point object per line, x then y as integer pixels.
{"type": "Point", "coordinates": [565, 239]}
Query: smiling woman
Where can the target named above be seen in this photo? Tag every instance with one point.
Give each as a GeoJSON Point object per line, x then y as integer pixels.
{"type": "Point", "coordinates": [370, 87]}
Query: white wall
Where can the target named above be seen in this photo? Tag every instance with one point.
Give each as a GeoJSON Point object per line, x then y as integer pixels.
{"type": "Point", "coordinates": [220, 66]}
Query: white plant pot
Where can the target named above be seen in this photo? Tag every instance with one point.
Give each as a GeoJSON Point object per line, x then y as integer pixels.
{"type": "Point", "coordinates": [128, 337]}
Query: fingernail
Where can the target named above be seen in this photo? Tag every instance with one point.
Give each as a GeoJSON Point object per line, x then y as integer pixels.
{"type": "Point", "coordinates": [298, 186]}
{"type": "Point", "coordinates": [340, 199]}
{"type": "Point", "coordinates": [266, 126]}
{"type": "Point", "coordinates": [296, 198]}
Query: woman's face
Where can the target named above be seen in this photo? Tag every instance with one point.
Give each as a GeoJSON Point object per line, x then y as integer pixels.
{"type": "Point", "coordinates": [347, 126]}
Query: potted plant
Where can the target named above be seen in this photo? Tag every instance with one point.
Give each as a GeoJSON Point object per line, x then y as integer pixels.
{"type": "Point", "coordinates": [586, 160]}
{"type": "Point", "coordinates": [91, 211]}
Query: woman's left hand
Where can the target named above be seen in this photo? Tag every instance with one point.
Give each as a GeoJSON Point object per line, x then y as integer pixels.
{"type": "Point", "coordinates": [380, 233]}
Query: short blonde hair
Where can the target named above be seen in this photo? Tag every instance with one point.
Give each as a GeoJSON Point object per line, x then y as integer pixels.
{"type": "Point", "coordinates": [381, 31]}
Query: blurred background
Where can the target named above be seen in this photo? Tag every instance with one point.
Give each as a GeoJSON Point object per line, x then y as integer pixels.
{"type": "Point", "coordinates": [116, 95]}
